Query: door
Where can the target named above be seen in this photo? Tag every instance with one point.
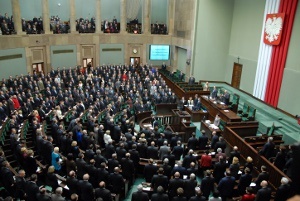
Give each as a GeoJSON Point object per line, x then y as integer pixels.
{"type": "Point", "coordinates": [87, 63]}
{"type": "Point", "coordinates": [38, 67]}
{"type": "Point", "coordinates": [135, 61]}
{"type": "Point", "coordinates": [236, 75]}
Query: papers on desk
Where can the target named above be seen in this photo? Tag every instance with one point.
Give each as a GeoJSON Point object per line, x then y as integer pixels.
{"type": "Point", "coordinates": [252, 184]}
{"type": "Point", "coordinates": [222, 103]}
{"type": "Point", "coordinates": [226, 110]}
{"type": "Point", "coordinates": [195, 154]}
{"type": "Point", "coordinates": [59, 183]}
{"type": "Point", "coordinates": [207, 121]}
{"type": "Point", "coordinates": [213, 126]}
{"type": "Point", "coordinates": [38, 169]}
{"type": "Point", "coordinates": [146, 188]}
{"type": "Point", "coordinates": [185, 176]}
{"type": "Point", "coordinates": [185, 105]}
{"type": "Point", "coordinates": [239, 172]}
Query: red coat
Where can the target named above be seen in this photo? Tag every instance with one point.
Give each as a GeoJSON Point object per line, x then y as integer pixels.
{"type": "Point", "coordinates": [205, 161]}
{"type": "Point", "coordinates": [248, 197]}
{"type": "Point", "coordinates": [16, 103]}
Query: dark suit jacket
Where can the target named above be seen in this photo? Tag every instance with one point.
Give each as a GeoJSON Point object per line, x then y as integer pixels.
{"type": "Point", "coordinates": [73, 185]}
{"type": "Point", "coordinates": [139, 196]}
{"type": "Point", "coordinates": [177, 151]}
{"type": "Point", "coordinates": [189, 188]}
{"type": "Point", "coordinates": [207, 185]}
{"type": "Point", "coordinates": [263, 194]}
{"type": "Point", "coordinates": [226, 186]}
{"type": "Point", "coordinates": [149, 171]}
{"type": "Point", "coordinates": [116, 182]}
{"type": "Point", "coordinates": [152, 152]}
{"type": "Point", "coordinates": [159, 197]}
{"type": "Point", "coordinates": [103, 193]}
{"type": "Point", "coordinates": [192, 143]}
{"type": "Point", "coordinates": [245, 181]}
{"type": "Point", "coordinates": [159, 180]}
{"type": "Point", "coordinates": [174, 184]}
{"type": "Point", "coordinates": [86, 191]}
{"type": "Point", "coordinates": [31, 191]}
{"type": "Point", "coordinates": [261, 176]}
{"type": "Point", "coordinates": [283, 192]}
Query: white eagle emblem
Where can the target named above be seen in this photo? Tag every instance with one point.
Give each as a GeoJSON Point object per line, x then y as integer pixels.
{"type": "Point", "coordinates": [273, 28]}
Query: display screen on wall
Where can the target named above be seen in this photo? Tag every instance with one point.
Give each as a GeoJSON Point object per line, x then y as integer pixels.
{"type": "Point", "coordinates": [159, 52]}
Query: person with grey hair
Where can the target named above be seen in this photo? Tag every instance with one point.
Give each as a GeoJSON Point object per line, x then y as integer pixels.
{"type": "Point", "coordinates": [86, 188]}
{"type": "Point", "coordinates": [198, 195]}
{"type": "Point", "coordinates": [139, 194]}
{"type": "Point", "coordinates": [190, 185]}
{"type": "Point", "coordinates": [284, 190]}
{"type": "Point", "coordinates": [268, 149]}
{"type": "Point", "coordinates": [167, 168]}
{"type": "Point", "coordinates": [160, 195]}
{"type": "Point", "coordinates": [163, 150]}
{"type": "Point", "coordinates": [58, 195]}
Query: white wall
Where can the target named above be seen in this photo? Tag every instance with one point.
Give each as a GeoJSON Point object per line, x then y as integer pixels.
{"type": "Point", "coordinates": [211, 46]}
{"type": "Point", "coordinates": [245, 37]}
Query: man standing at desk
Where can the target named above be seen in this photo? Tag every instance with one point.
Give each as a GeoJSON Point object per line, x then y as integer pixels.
{"type": "Point", "coordinates": [214, 93]}
{"type": "Point", "coordinates": [226, 97]}
{"type": "Point", "coordinates": [191, 80]}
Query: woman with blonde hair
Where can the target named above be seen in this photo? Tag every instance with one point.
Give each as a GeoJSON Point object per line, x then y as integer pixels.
{"type": "Point", "coordinates": [30, 163]}
{"type": "Point", "coordinates": [51, 179]}
{"type": "Point", "coordinates": [235, 167]}
{"type": "Point", "coordinates": [249, 163]}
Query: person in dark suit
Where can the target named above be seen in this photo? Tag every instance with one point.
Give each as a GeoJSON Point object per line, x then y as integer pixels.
{"type": "Point", "coordinates": [112, 163]}
{"type": "Point", "coordinates": [226, 97]}
{"type": "Point", "coordinates": [181, 103]}
{"type": "Point", "coordinates": [128, 168]}
{"type": "Point", "coordinates": [198, 195]}
{"type": "Point", "coordinates": [284, 190]}
{"type": "Point", "coordinates": [207, 184]}
{"type": "Point", "coordinates": [150, 170]}
{"type": "Point", "coordinates": [234, 153]}
{"type": "Point", "coordinates": [180, 195]}
{"type": "Point", "coordinates": [214, 93]}
{"type": "Point", "coordinates": [72, 182]}
{"type": "Point", "coordinates": [245, 181]}
{"type": "Point", "coordinates": [164, 66]}
{"type": "Point", "coordinates": [220, 144]}
{"type": "Point", "coordinates": [32, 188]}
{"type": "Point", "coordinates": [7, 177]}
{"type": "Point", "coordinates": [116, 181]}
{"type": "Point", "coordinates": [81, 166]}
{"type": "Point", "coordinates": [159, 180]}
{"type": "Point", "coordinates": [202, 140]}
{"type": "Point", "coordinates": [188, 159]}
{"type": "Point", "coordinates": [264, 193]}
{"type": "Point", "coordinates": [102, 192]}
{"type": "Point", "coordinates": [268, 149]}
{"type": "Point", "coordinates": [20, 185]}
{"type": "Point", "coordinates": [264, 175]}
{"type": "Point", "coordinates": [226, 185]}
{"type": "Point", "coordinates": [159, 195]}
{"type": "Point", "coordinates": [152, 151]}
{"type": "Point", "coordinates": [190, 185]}
{"type": "Point", "coordinates": [178, 151]}
{"type": "Point", "coordinates": [192, 142]}
{"type": "Point", "coordinates": [30, 163]}
{"type": "Point", "coordinates": [174, 184]}
{"type": "Point", "coordinates": [43, 196]}
{"type": "Point", "coordinates": [191, 80]}
{"type": "Point", "coordinates": [86, 188]}
{"type": "Point", "coordinates": [139, 194]}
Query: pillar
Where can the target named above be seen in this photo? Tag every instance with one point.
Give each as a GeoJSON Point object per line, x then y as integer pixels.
{"type": "Point", "coordinates": [72, 16]}
{"type": "Point", "coordinates": [146, 18]}
{"type": "Point", "coordinates": [123, 16]}
{"type": "Point", "coordinates": [17, 16]}
{"type": "Point", "coordinates": [171, 15]}
{"type": "Point", "coordinates": [98, 16]}
{"type": "Point", "coordinates": [46, 18]}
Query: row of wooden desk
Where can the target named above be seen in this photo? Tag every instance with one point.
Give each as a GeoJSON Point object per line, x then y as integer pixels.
{"type": "Point", "coordinates": [214, 107]}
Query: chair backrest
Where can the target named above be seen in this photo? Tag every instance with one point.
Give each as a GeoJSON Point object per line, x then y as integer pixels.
{"type": "Point", "coordinates": [252, 112]}
{"type": "Point", "coordinates": [245, 108]}
{"type": "Point", "coordinates": [272, 129]}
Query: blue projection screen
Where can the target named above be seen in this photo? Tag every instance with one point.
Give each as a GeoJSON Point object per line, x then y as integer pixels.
{"type": "Point", "coordinates": [159, 52]}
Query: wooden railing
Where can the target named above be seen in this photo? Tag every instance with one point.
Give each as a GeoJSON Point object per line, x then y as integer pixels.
{"type": "Point", "coordinates": [246, 150]}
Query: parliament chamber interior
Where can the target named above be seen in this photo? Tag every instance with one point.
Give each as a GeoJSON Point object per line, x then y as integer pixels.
{"type": "Point", "coordinates": [174, 100]}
